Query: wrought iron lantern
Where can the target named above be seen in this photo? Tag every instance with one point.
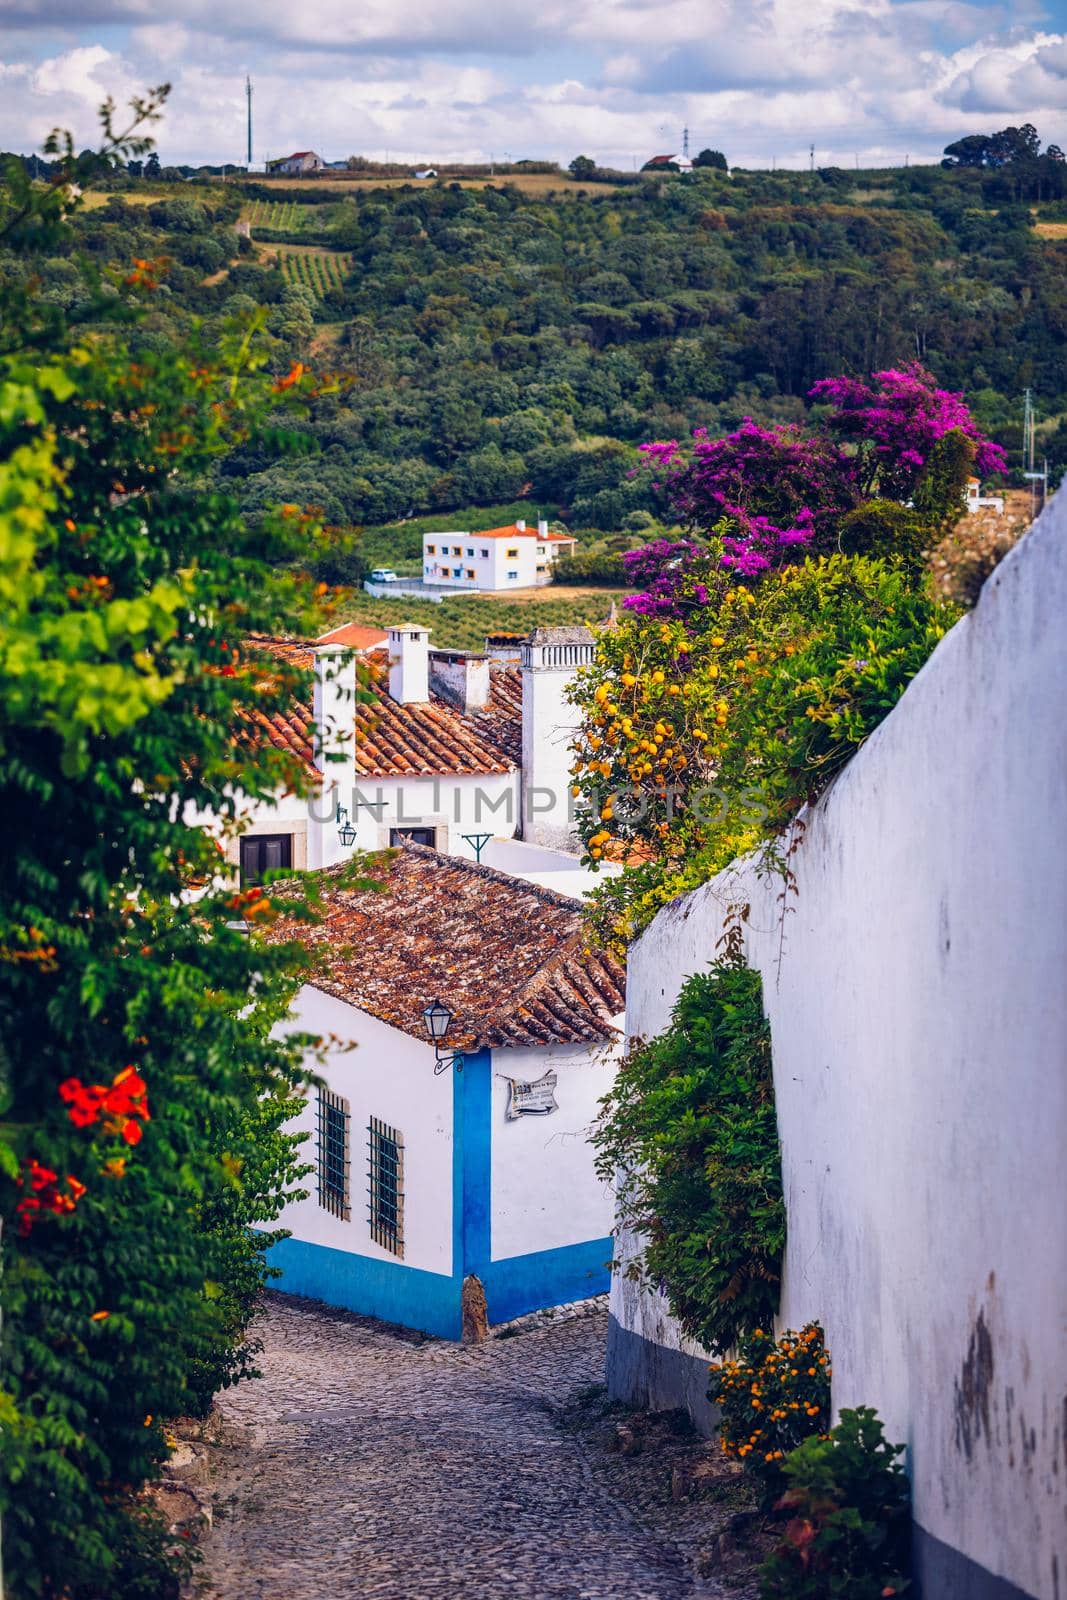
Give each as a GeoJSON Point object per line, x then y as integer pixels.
{"type": "Point", "coordinates": [438, 1019]}
{"type": "Point", "coordinates": [345, 831]}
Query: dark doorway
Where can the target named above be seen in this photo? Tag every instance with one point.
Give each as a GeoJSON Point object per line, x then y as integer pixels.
{"type": "Point", "coordinates": [265, 853]}
{"type": "Point", "coordinates": [413, 836]}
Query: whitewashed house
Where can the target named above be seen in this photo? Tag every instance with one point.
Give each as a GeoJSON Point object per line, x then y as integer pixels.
{"type": "Point", "coordinates": [514, 557]}
{"type": "Point", "coordinates": [432, 1166]}
{"type": "Point", "coordinates": [975, 500]}
{"type": "Point", "coordinates": [459, 750]}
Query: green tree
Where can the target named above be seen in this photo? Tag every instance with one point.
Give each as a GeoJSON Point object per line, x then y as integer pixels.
{"type": "Point", "coordinates": [582, 168]}
{"type": "Point", "coordinates": [711, 158]}
{"type": "Point", "coordinates": [144, 1095]}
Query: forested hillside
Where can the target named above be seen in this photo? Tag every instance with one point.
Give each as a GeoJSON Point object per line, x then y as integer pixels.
{"type": "Point", "coordinates": [505, 345]}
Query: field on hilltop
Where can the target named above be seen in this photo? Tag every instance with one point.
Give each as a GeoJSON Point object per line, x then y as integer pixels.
{"type": "Point", "coordinates": [463, 624]}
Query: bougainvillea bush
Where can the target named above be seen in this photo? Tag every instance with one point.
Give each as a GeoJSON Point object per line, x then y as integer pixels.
{"type": "Point", "coordinates": [779, 494]}
{"type": "Point", "coordinates": [759, 652]}
{"type": "Point", "coordinates": [689, 1133]}
{"type": "Point", "coordinates": [144, 1091]}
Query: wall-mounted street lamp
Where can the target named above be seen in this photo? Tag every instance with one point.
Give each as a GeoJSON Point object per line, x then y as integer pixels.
{"type": "Point", "coordinates": [345, 831]}
{"type": "Point", "coordinates": [438, 1020]}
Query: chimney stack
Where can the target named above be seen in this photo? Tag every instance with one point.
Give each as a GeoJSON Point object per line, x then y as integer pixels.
{"type": "Point", "coordinates": [462, 678]}
{"type": "Point", "coordinates": [550, 659]}
{"type": "Point", "coordinates": [409, 665]}
{"type": "Point", "coordinates": [521, 525]}
{"type": "Point", "coordinates": [542, 527]}
{"type": "Point", "coordinates": [334, 712]}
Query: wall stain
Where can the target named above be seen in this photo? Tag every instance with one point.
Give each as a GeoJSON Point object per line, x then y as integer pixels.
{"type": "Point", "coordinates": [973, 1388]}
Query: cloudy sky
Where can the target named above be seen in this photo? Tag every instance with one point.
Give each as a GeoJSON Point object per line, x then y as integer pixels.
{"type": "Point", "coordinates": [876, 80]}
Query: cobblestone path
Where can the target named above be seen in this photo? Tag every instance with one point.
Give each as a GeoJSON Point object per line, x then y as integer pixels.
{"type": "Point", "coordinates": [368, 1463]}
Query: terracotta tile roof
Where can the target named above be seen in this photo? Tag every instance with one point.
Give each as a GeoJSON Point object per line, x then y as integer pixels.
{"type": "Point", "coordinates": [423, 739]}
{"type": "Point", "coordinates": [288, 731]}
{"type": "Point", "coordinates": [297, 652]}
{"type": "Point", "coordinates": [506, 956]}
{"type": "Point", "coordinates": [512, 531]}
{"type": "Point", "coordinates": [395, 741]}
{"type": "Point", "coordinates": [358, 636]}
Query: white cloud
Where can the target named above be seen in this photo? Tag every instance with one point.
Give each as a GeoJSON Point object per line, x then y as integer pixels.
{"type": "Point", "coordinates": [616, 79]}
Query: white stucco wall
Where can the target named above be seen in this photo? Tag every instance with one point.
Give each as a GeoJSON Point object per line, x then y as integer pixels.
{"type": "Point", "coordinates": [918, 1009]}
{"type": "Point", "coordinates": [389, 1076]}
{"type": "Point", "coordinates": [454, 805]}
{"type": "Point", "coordinates": [551, 869]}
{"type": "Point", "coordinates": [544, 1192]}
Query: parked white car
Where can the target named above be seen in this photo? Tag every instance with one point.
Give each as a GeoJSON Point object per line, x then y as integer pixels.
{"type": "Point", "coordinates": [383, 575]}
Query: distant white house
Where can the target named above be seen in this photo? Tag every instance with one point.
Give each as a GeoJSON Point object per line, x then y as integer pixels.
{"type": "Point", "coordinates": [423, 1178]}
{"type": "Point", "coordinates": [976, 501]}
{"type": "Point", "coordinates": [514, 557]}
{"type": "Point", "coordinates": [425, 172]}
{"type": "Point", "coordinates": [296, 165]}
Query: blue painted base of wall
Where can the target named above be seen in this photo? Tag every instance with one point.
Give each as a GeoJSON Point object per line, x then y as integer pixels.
{"type": "Point", "coordinates": [428, 1301]}
{"type": "Point", "coordinates": [520, 1284]}
{"type": "Point", "coordinates": [943, 1573]}
{"type": "Point", "coordinates": [655, 1378]}
{"type": "Point", "coordinates": [431, 1301]}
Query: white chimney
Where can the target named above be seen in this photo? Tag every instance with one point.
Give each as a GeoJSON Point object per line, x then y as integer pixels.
{"type": "Point", "coordinates": [409, 664]}
{"type": "Point", "coordinates": [462, 678]}
{"type": "Point", "coordinates": [334, 712]}
{"type": "Point", "coordinates": [521, 525]}
{"type": "Point", "coordinates": [550, 658]}
{"type": "Point", "coordinates": [542, 527]}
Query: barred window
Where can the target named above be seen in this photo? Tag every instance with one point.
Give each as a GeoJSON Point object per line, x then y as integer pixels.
{"type": "Point", "coordinates": [386, 1192]}
{"type": "Point", "coordinates": [333, 1154]}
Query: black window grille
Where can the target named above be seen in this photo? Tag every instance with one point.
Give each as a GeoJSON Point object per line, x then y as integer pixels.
{"type": "Point", "coordinates": [386, 1186]}
{"type": "Point", "coordinates": [333, 1154]}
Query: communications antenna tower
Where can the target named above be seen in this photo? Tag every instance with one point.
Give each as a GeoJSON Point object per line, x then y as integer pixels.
{"type": "Point", "coordinates": [685, 143]}
{"type": "Point", "coordinates": [248, 96]}
{"type": "Point", "coordinates": [1030, 472]}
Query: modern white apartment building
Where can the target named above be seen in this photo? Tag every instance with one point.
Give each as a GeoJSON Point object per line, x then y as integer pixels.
{"type": "Point", "coordinates": [515, 557]}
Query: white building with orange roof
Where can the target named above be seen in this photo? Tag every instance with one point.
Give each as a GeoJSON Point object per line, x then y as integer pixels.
{"type": "Point", "coordinates": [469, 1035]}
{"type": "Point", "coordinates": [496, 559]}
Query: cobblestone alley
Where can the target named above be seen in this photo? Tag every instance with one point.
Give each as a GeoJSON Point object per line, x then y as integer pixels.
{"type": "Point", "coordinates": [372, 1463]}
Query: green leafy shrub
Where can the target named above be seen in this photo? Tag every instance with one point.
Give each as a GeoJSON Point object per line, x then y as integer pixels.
{"type": "Point", "coordinates": [689, 1125]}
{"type": "Point", "coordinates": [848, 1537]}
{"type": "Point", "coordinates": [599, 566]}
{"type": "Point", "coordinates": [145, 1086]}
{"type": "Point", "coordinates": [771, 1397]}
{"type": "Point", "coordinates": [886, 531]}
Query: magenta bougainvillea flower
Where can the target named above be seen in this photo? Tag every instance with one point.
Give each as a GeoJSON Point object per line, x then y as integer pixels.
{"type": "Point", "coordinates": [777, 489]}
{"type": "Point", "coordinates": [895, 419]}
{"type": "Point", "coordinates": [774, 495]}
